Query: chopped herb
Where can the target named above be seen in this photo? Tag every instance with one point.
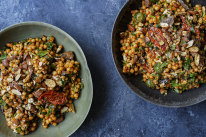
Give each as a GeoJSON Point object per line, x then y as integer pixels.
{"type": "Point", "coordinates": [50, 111]}
{"type": "Point", "coordinates": [173, 47]}
{"type": "Point", "coordinates": [174, 84]}
{"type": "Point", "coordinates": [139, 17]}
{"type": "Point", "coordinates": [187, 63]}
{"type": "Point", "coordinates": [154, 1]}
{"type": "Point", "coordinates": [18, 129]}
{"type": "Point", "coordinates": [42, 53]}
{"type": "Point", "coordinates": [159, 67]}
{"type": "Point", "coordinates": [53, 66]}
{"type": "Point", "coordinates": [150, 83]}
{"type": "Point", "coordinates": [158, 26]}
{"type": "Point", "coordinates": [81, 85]}
{"type": "Point", "coordinates": [193, 29]}
{"type": "Point", "coordinates": [49, 45]}
{"type": "Point", "coordinates": [7, 94]}
{"type": "Point", "coordinates": [3, 56]}
{"type": "Point", "coordinates": [175, 60]}
{"type": "Point", "coordinates": [136, 49]}
{"type": "Point", "coordinates": [149, 44]}
{"type": "Point", "coordinates": [133, 34]}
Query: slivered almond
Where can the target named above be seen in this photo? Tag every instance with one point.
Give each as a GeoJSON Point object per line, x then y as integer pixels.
{"type": "Point", "coordinates": [16, 92]}
{"type": "Point", "coordinates": [9, 79]}
{"type": "Point", "coordinates": [193, 49]}
{"type": "Point", "coordinates": [190, 43]}
{"type": "Point", "coordinates": [197, 59]}
{"type": "Point", "coordinates": [64, 109]}
{"type": "Point", "coordinates": [17, 77]}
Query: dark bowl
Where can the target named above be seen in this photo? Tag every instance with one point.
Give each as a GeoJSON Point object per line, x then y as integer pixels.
{"type": "Point", "coordinates": [173, 99]}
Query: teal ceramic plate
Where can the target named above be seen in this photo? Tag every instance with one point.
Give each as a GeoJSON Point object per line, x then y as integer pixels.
{"type": "Point", "coordinates": [72, 120]}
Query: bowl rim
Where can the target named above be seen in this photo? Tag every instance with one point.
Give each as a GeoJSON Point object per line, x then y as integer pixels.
{"type": "Point", "coordinates": [129, 85]}
{"type": "Point", "coordinates": [78, 47]}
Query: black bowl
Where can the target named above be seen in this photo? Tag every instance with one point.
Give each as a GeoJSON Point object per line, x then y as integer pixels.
{"type": "Point", "coordinates": [173, 99]}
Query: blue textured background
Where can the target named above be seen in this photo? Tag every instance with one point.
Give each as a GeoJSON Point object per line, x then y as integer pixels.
{"type": "Point", "coordinates": [116, 110]}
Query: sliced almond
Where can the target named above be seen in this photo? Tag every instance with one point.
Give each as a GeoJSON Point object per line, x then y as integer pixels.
{"type": "Point", "coordinates": [164, 25]}
{"type": "Point", "coordinates": [2, 92]}
{"type": "Point", "coordinates": [64, 109]}
{"type": "Point", "coordinates": [197, 59]}
{"type": "Point", "coordinates": [50, 83]}
{"type": "Point", "coordinates": [18, 71]}
{"type": "Point", "coordinates": [40, 63]}
{"type": "Point", "coordinates": [183, 54]}
{"type": "Point", "coordinates": [17, 77]}
{"type": "Point", "coordinates": [190, 43]}
{"type": "Point", "coordinates": [58, 50]}
{"type": "Point", "coordinates": [161, 43]}
{"type": "Point", "coordinates": [9, 79]}
{"type": "Point", "coordinates": [193, 49]}
{"type": "Point", "coordinates": [16, 92]}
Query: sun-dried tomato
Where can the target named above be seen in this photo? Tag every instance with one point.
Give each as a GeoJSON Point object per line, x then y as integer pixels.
{"type": "Point", "coordinates": [186, 25]}
{"type": "Point", "coordinates": [53, 97]}
{"type": "Point", "coordinates": [158, 37]}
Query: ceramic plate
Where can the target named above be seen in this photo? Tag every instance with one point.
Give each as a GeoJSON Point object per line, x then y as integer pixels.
{"type": "Point", "coordinates": [72, 120]}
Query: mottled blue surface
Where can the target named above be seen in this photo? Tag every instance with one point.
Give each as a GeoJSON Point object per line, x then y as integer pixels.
{"type": "Point", "coordinates": [116, 111]}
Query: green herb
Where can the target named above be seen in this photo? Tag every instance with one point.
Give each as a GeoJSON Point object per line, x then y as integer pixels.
{"type": "Point", "coordinates": [163, 16]}
{"type": "Point", "coordinates": [75, 87]}
{"type": "Point", "coordinates": [193, 29]}
{"type": "Point", "coordinates": [15, 114]}
{"type": "Point", "coordinates": [7, 94]}
{"type": "Point", "coordinates": [154, 1]}
{"type": "Point", "coordinates": [193, 74]}
{"type": "Point", "coordinates": [187, 63]}
{"type": "Point", "coordinates": [150, 83]}
{"type": "Point", "coordinates": [49, 45]}
{"type": "Point", "coordinates": [182, 42]}
{"type": "Point", "coordinates": [136, 49]}
{"type": "Point", "coordinates": [124, 62]}
{"type": "Point", "coordinates": [165, 64]}
{"type": "Point", "coordinates": [192, 79]}
{"type": "Point", "coordinates": [14, 43]}
{"type": "Point", "coordinates": [48, 38]}
{"type": "Point", "coordinates": [159, 67]}
{"type": "Point", "coordinates": [42, 53]}
{"type": "Point", "coordinates": [177, 90]}
{"type": "Point", "coordinates": [23, 41]}
{"type": "Point", "coordinates": [158, 26]}
{"type": "Point", "coordinates": [173, 47]}
{"type": "Point", "coordinates": [18, 129]}
{"type": "Point", "coordinates": [81, 85]}
{"type": "Point", "coordinates": [53, 66]}
{"type": "Point", "coordinates": [133, 34]}
{"type": "Point", "coordinates": [50, 110]}
{"type": "Point", "coordinates": [174, 84]}
{"type": "Point", "coordinates": [12, 69]}
{"type": "Point", "coordinates": [149, 44]}
{"type": "Point", "coordinates": [3, 56]}
{"type": "Point", "coordinates": [175, 60]}
{"type": "Point", "coordinates": [139, 17]}
{"type": "Point", "coordinates": [32, 53]}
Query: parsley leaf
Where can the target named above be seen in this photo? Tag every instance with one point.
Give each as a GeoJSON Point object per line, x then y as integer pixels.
{"type": "Point", "coordinates": [42, 53]}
